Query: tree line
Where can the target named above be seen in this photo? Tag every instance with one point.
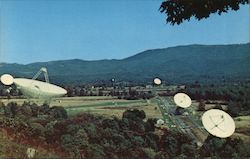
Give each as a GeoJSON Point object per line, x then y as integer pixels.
{"type": "Point", "coordinates": [94, 136]}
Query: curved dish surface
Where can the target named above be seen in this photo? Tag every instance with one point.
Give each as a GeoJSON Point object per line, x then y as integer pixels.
{"type": "Point", "coordinates": [182, 100]}
{"type": "Point", "coordinates": [218, 123]}
{"type": "Point", "coordinates": [38, 89]}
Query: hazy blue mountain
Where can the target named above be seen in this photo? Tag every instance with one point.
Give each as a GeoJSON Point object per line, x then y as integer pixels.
{"type": "Point", "coordinates": [174, 64]}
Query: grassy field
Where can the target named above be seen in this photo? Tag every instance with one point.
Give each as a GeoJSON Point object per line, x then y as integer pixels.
{"type": "Point", "coordinates": [63, 101]}
{"type": "Point", "coordinates": [243, 127]}
{"type": "Point", "coordinates": [112, 107]}
{"type": "Point", "coordinates": [104, 105]}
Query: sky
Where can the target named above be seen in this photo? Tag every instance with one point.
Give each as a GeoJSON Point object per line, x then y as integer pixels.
{"type": "Point", "coordinates": [48, 30]}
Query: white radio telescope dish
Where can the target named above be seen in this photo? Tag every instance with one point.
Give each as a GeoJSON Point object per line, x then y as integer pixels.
{"type": "Point", "coordinates": [38, 89]}
{"type": "Point", "coordinates": [218, 123]}
{"type": "Point", "coordinates": [157, 81]}
{"type": "Point", "coordinates": [7, 79]}
{"type": "Point", "coordinates": [33, 88]}
{"type": "Point", "coordinates": [182, 100]}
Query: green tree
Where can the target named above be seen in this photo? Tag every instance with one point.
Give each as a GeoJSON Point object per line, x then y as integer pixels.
{"type": "Point", "coordinates": [148, 153]}
{"type": "Point", "coordinates": [81, 139]}
{"type": "Point", "coordinates": [67, 142]}
{"type": "Point", "coordinates": [91, 130]}
{"type": "Point", "coordinates": [178, 11]}
{"type": "Point", "coordinates": [212, 146]}
{"type": "Point", "coordinates": [134, 114]}
{"type": "Point", "coordinates": [170, 144]}
{"type": "Point", "coordinates": [110, 123]}
{"type": "Point", "coordinates": [201, 106]}
{"type": "Point", "coordinates": [137, 141]}
{"type": "Point", "coordinates": [188, 150]}
{"type": "Point", "coordinates": [95, 151]}
{"type": "Point", "coordinates": [2, 107]}
{"type": "Point", "coordinates": [152, 140]}
{"type": "Point", "coordinates": [11, 109]}
{"type": "Point", "coordinates": [37, 129]}
{"type": "Point", "coordinates": [58, 112]}
{"type": "Point", "coordinates": [124, 124]}
{"type": "Point", "coordinates": [233, 108]}
{"type": "Point", "coordinates": [162, 155]}
{"type": "Point", "coordinates": [150, 124]}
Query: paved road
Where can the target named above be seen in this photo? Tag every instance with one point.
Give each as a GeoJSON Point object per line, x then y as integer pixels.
{"type": "Point", "coordinates": [188, 124]}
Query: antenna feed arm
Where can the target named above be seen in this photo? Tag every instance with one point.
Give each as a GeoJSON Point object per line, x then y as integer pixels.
{"type": "Point", "coordinates": [45, 73]}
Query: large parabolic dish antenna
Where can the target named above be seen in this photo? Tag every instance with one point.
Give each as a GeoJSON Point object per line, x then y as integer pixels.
{"type": "Point", "coordinates": [38, 89]}
{"type": "Point", "coordinates": [218, 123]}
{"type": "Point", "coordinates": [182, 100]}
{"type": "Point", "coordinates": [33, 88]}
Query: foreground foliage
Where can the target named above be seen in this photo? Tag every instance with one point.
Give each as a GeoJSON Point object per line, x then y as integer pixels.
{"type": "Point", "coordinates": [178, 11]}
{"type": "Point", "coordinates": [92, 136]}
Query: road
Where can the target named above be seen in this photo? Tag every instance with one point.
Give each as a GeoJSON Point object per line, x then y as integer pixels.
{"type": "Point", "coordinates": [188, 124]}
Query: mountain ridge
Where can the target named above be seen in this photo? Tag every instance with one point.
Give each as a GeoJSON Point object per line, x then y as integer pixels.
{"type": "Point", "coordinates": [174, 64]}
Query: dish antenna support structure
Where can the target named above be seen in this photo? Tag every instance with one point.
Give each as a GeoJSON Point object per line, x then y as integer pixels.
{"type": "Point", "coordinates": [45, 73]}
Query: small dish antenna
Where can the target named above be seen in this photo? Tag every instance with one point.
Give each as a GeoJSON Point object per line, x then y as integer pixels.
{"type": "Point", "coordinates": [182, 100]}
{"type": "Point", "coordinates": [7, 79]}
{"type": "Point", "coordinates": [218, 123]}
{"type": "Point", "coordinates": [157, 81]}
